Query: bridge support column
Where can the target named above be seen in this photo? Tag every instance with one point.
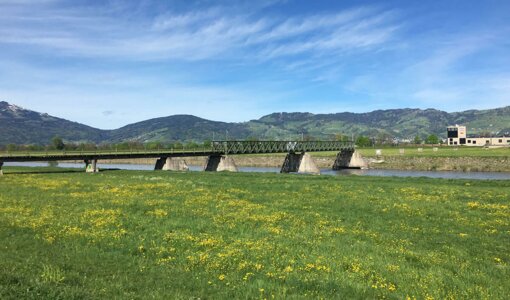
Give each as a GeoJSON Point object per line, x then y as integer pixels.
{"type": "Point", "coordinates": [1, 165]}
{"type": "Point", "coordinates": [220, 163]}
{"type": "Point", "coordinates": [171, 164]}
{"type": "Point", "coordinates": [300, 163]}
{"type": "Point", "coordinates": [91, 166]}
{"type": "Point", "coordinates": [160, 163]}
{"type": "Point", "coordinates": [349, 159]}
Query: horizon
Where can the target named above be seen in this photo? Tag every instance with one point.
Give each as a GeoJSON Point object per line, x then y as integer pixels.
{"type": "Point", "coordinates": [110, 64]}
{"type": "Point", "coordinates": [255, 119]}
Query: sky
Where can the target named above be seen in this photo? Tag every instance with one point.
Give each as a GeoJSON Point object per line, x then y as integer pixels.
{"type": "Point", "coordinates": [110, 63]}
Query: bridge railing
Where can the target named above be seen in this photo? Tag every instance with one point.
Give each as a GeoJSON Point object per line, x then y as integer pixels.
{"type": "Point", "coordinates": [47, 153]}
{"type": "Point", "coordinates": [226, 147]}
{"type": "Point", "coordinates": [246, 147]}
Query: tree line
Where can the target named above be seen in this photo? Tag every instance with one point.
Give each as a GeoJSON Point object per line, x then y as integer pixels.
{"type": "Point", "coordinates": [58, 144]}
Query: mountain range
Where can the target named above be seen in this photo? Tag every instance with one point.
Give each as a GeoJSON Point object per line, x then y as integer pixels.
{"type": "Point", "coordinates": [23, 126]}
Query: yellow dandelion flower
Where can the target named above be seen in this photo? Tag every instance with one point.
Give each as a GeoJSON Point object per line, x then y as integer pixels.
{"type": "Point", "coordinates": [288, 269]}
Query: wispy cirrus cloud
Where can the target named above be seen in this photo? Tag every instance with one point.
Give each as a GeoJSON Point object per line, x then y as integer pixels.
{"type": "Point", "coordinates": [213, 33]}
{"type": "Point", "coordinates": [237, 59]}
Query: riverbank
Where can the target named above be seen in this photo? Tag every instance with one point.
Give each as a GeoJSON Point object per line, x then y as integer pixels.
{"type": "Point", "coordinates": [463, 164]}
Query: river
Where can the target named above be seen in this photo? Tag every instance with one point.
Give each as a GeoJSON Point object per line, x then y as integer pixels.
{"type": "Point", "coordinates": [370, 172]}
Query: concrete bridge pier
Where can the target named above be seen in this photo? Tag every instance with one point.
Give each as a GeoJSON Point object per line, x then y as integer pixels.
{"type": "Point", "coordinates": [160, 163]}
{"type": "Point", "coordinates": [349, 159]}
{"type": "Point", "coordinates": [220, 163]}
{"type": "Point", "coordinates": [300, 163]}
{"type": "Point", "coordinates": [1, 165]}
{"type": "Point", "coordinates": [171, 164]}
{"type": "Point", "coordinates": [91, 166]}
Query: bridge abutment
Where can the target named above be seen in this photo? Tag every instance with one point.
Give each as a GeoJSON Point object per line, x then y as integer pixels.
{"type": "Point", "coordinates": [349, 159]}
{"type": "Point", "coordinates": [220, 163]}
{"type": "Point", "coordinates": [91, 166]}
{"type": "Point", "coordinates": [300, 163]}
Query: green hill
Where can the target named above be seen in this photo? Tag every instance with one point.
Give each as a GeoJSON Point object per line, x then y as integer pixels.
{"type": "Point", "coordinates": [178, 128]}
{"type": "Point", "coordinates": [22, 126]}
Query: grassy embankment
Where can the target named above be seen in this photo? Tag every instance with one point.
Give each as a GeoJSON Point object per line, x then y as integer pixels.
{"type": "Point", "coordinates": [445, 158]}
{"type": "Point", "coordinates": [133, 234]}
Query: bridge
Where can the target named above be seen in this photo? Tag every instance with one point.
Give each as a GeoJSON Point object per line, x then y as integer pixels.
{"type": "Point", "coordinates": [218, 155]}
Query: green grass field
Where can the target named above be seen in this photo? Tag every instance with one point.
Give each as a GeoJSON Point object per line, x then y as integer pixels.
{"type": "Point", "coordinates": [135, 234]}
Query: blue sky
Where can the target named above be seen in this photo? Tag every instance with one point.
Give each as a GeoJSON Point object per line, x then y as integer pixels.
{"type": "Point", "coordinates": [110, 63]}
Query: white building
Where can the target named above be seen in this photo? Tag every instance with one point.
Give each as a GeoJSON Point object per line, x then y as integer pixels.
{"type": "Point", "coordinates": [457, 135]}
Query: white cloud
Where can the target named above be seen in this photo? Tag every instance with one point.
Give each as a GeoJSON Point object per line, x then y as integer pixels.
{"type": "Point", "coordinates": [196, 35]}
{"type": "Point", "coordinates": [91, 58]}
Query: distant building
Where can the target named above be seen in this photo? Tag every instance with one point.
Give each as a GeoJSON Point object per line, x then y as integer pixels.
{"type": "Point", "coordinates": [457, 135]}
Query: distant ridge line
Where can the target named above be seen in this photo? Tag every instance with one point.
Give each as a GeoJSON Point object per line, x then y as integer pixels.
{"type": "Point", "coordinates": [23, 126]}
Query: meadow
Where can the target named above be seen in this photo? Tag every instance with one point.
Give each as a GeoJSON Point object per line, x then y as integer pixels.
{"type": "Point", "coordinates": [136, 234]}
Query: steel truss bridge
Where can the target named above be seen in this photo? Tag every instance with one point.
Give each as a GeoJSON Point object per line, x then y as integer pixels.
{"type": "Point", "coordinates": [254, 147]}
{"type": "Point", "coordinates": [217, 148]}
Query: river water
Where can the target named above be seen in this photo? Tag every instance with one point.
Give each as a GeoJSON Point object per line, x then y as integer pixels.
{"type": "Point", "coordinates": [371, 172]}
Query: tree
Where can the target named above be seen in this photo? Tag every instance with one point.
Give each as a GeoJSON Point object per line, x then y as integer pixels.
{"type": "Point", "coordinates": [177, 145]}
{"type": "Point", "coordinates": [417, 139]}
{"type": "Point", "coordinates": [363, 141]}
{"type": "Point", "coordinates": [383, 138]}
{"type": "Point", "coordinates": [58, 143]}
{"type": "Point", "coordinates": [207, 144]}
{"type": "Point", "coordinates": [191, 145]}
{"type": "Point", "coordinates": [432, 139]}
{"type": "Point", "coordinates": [154, 145]}
{"type": "Point", "coordinates": [342, 138]}
{"type": "Point", "coordinates": [11, 147]}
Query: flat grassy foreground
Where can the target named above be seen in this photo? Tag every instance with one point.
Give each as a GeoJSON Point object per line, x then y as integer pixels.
{"type": "Point", "coordinates": [134, 234]}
